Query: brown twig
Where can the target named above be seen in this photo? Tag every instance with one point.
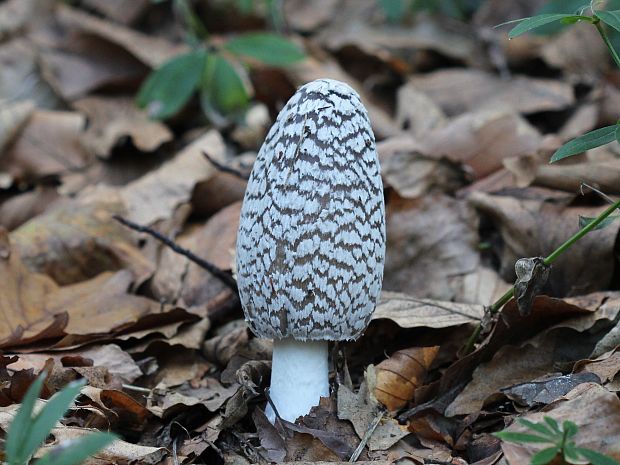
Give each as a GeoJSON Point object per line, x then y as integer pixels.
{"type": "Point", "coordinates": [225, 169]}
{"type": "Point", "coordinates": [222, 275]}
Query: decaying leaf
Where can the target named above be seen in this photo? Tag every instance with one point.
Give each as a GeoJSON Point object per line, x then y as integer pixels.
{"type": "Point", "coordinates": [397, 377]}
{"type": "Point", "coordinates": [548, 389]}
{"type": "Point", "coordinates": [13, 116]}
{"type": "Point", "coordinates": [532, 275]}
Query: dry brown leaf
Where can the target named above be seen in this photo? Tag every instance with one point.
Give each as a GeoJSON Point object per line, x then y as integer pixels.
{"type": "Point", "coordinates": [578, 51]}
{"type": "Point", "coordinates": [606, 367]}
{"type": "Point", "coordinates": [75, 73]}
{"type": "Point", "coordinates": [431, 243]}
{"type": "Point", "coordinates": [307, 17]}
{"type": "Point", "coordinates": [21, 208]}
{"type": "Point", "coordinates": [20, 76]}
{"type": "Point", "coordinates": [416, 112]}
{"type": "Point", "coordinates": [118, 362]}
{"type": "Point", "coordinates": [397, 377]}
{"type": "Point", "coordinates": [534, 226]}
{"type": "Point", "coordinates": [536, 170]}
{"type": "Point", "coordinates": [156, 195]}
{"type": "Point", "coordinates": [24, 296]}
{"type": "Point", "coordinates": [413, 174]}
{"type": "Point", "coordinates": [458, 91]}
{"type": "Point", "coordinates": [13, 117]}
{"type": "Point", "coordinates": [150, 50]}
{"type": "Point", "coordinates": [48, 145]}
{"type": "Point", "coordinates": [78, 241]}
{"type": "Point", "coordinates": [596, 412]}
{"type": "Point", "coordinates": [122, 11]}
{"type": "Point", "coordinates": [361, 410]}
{"type": "Point", "coordinates": [482, 140]}
{"type": "Point", "coordinates": [410, 312]}
{"type": "Point", "coordinates": [112, 118]}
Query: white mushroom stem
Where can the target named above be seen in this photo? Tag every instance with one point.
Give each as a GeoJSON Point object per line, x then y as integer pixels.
{"type": "Point", "coordinates": [299, 377]}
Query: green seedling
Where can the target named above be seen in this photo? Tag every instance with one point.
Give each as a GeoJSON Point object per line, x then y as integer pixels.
{"type": "Point", "coordinates": [216, 70]}
{"type": "Point", "coordinates": [558, 442]}
{"type": "Point", "coordinates": [29, 430]}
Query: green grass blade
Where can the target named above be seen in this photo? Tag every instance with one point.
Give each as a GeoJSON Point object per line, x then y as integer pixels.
{"type": "Point", "coordinates": [268, 48]}
{"type": "Point", "coordinates": [76, 451]}
{"type": "Point", "coordinates": [54, 410]}
{"type": "Point", "coordinates": [545, 456]}
{"type": "Point", "coordinates": [611, 18]}
{"type": "Point", "coordinates": [19, 430]}
{"type": "Point", "coordinates": [521, 437]}
{"type": "Point", "coordinates": [595, 458]}
{"type": "Point", "coordinates": [527, 24]}
{"type": "Point", "coordinates": [588, 141]}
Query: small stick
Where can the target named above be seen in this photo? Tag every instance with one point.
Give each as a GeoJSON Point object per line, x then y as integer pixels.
{"type": "Point", "coordinates": [225, 169]}
{"type": "Point", "coordinates": [201, 262]}
{"type": "Point", "coordinates": [131, 387]}
{"type": "Point", "coordinates": [371, 429]}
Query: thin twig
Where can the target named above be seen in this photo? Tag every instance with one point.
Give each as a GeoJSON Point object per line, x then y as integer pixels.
{"type": "Point", "coordinates": [222, 275]}
{"type": "Point", "coordinates": [131, 387]}
{"type": "Point", "coordinates": [371, 429]}
{"type": "Point", "coordinates": [600, 193]}
{"type": "Point", "coordinates": [225, 169]}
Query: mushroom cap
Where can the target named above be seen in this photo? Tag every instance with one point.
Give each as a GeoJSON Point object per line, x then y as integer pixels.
{"type": "Point", "coordinates": [311, 240]}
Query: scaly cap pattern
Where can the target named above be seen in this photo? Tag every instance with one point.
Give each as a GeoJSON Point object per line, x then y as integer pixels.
{"type": "Point", "coordinates": [311, 241]}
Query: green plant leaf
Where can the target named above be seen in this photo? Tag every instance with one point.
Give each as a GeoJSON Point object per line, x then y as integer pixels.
{"type": "Point", "coordinates": [570, 453]}
{"type": "Point", "coordinates": [611, 18]}
{"type": "Point", "coordinates": [527, 24]}
{"type": "Point", "coordinates": [54, 410]}
{"type": "Point", "coordinates": [171, 85]}
{"type": "Point", "coordinates": [16, 453]}
{"type": "Point", "coordinates": [586, 220]}
{"type": "Point", "coordinates": [520, 437]}
{"type": "Point", "coordinates": [538, 427]}
{"type": "Point", "coordinates": [570, 428]}
{"type": "Point", "coordinates": [545, 456]}
{"type": "Point", "coordinates": [222, 90]}
{"type": "Point", "coordinates": [595, 458]}
{"type": "Point", "coordinates": [78, 450]}
{"type": "Point", "coordinates": [394, 10]}
{"type": "Point", "coordinates": [268, 48]}
{"type": "Point", "coordinates": [588, 141]}
{"type": "Point", "coordinates": [553, 424]}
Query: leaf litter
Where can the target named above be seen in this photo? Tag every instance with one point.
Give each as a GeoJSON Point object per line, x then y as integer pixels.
{"type": "Point", "coordinates": [465, 122]}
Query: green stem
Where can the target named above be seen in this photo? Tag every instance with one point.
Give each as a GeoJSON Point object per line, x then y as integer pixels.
{"type": "Point", "coordinates": [503, 300]}
{"type": "Point", "coordinates": [605, 37]}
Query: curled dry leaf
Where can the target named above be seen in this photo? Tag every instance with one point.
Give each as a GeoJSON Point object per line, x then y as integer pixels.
{"type": "Point", "coordinates": [532, 275]}
{"type": "Point", "coordinates": [112, 118]}
{"type": "Point", "coordinates": [398, 376]}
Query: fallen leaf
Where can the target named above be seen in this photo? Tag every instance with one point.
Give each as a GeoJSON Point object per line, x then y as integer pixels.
{"type": "Point", "coordinates": [13, 117]}
{"type": "Point", "coordinates": [77, 241]}
{"type": "Point", "coordinates": [458, 91]}
{"type": "Point", "coordinates": [122, 11]}
{"type": "Point", "coordinates": [416, 112]}
{"type": "Point", "coordinates": [482, 140]}
{"type": "Point", "coordinates": [157, 194]}
{"type": "Point", "coordinates": [150, 50]}
{"type": "Point", "coordinates": [532, 275]}
{"type": "Point", "coordinates": [32, 156]}
{"type": "Point", "coordinates": [430, 242]}
{"type": "Point", "coordinates": [592, 408]}
{"type": "Point", "coordinates": [21, 208]}
{"type": "Point", "coordinates": [547, 389]}
{"type": "Point", "coordinates": [112, 118]}
{"type": "Point", "coordinates": [397, 377]}
{"type": "Point", "coordinates": [304, 17]}
{"type": "Point", "coordinates": [535, 226]}
{"type": "Point", "coordinates": [606, 366]}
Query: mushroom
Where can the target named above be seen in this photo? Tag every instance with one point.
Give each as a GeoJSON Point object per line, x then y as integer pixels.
{"type": "Point", "coordinates": [311, 240]}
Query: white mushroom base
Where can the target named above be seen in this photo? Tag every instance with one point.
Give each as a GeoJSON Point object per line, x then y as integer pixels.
{"type": "Point", "coordinates": [299, 377]}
